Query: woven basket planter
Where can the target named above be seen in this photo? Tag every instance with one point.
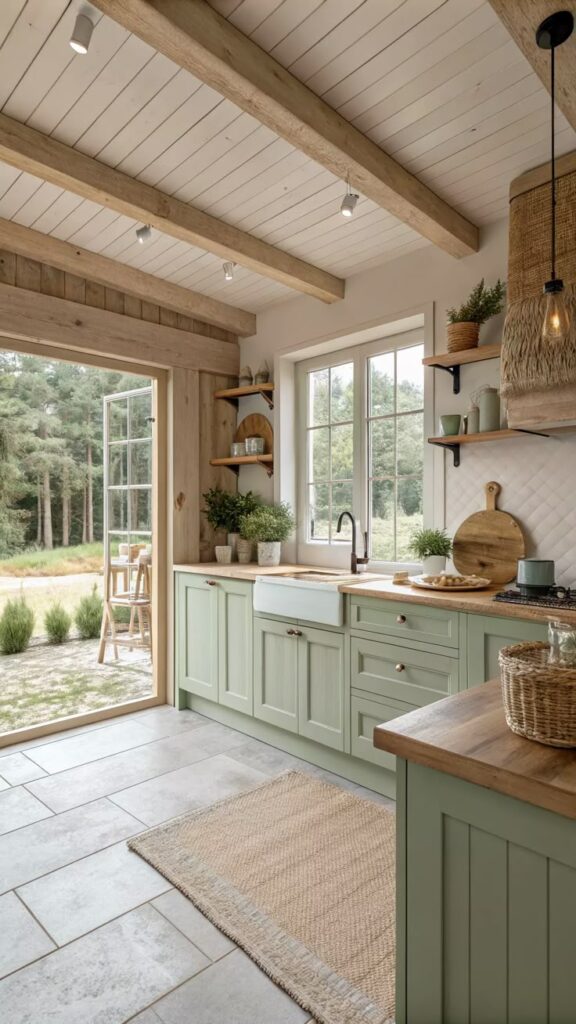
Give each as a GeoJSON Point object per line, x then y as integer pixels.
{"type": "Point", "coordinates": [539, 699]}
{"type": "Point", "coordinates": [462, 336]}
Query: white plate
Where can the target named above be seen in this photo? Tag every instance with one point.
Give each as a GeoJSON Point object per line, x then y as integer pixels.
{"type": "Point", "coordinates": [479, 584]}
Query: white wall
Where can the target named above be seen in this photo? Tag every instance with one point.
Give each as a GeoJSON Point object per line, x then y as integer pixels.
{"type": "Point", "coordinates": [537, 475]}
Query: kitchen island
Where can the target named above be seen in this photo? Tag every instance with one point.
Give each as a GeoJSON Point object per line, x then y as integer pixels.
{"type": "Point", "coordinates": [486, 875]}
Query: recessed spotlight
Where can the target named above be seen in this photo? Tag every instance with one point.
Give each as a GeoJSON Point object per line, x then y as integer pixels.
{"type": "Point", "coordinates": [228, 269]}
{"type": "Point", "coordinates": [143, 233]}
{"type": "Point", "coordinates": [82, 34]}
{"type": "Point", "coordinates": [348, 204]}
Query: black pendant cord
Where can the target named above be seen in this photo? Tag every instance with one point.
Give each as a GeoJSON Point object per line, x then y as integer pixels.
{"type": "Point", "coordinates": [553, 159]}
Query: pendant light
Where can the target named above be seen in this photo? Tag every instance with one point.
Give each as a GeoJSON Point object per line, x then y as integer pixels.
{"type": "Point", "coordinates": [348, 204]}
{"type": "Point", "coordinates": [552, 32]}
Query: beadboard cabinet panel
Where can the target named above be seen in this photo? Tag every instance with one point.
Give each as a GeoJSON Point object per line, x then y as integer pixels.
{"type": "Point", "coordinates": [487, 906]}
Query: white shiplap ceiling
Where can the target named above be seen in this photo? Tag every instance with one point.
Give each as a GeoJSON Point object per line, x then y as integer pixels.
{"type": "Point", "coordinates": [439, 85]}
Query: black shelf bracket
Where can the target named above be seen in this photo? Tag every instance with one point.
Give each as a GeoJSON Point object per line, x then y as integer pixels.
{"type": "Point", "coordinates": [454, 448]}
{"type": "Point", "coordinates": [535, 433]}
{"type": "Point", "coordinates": [454, 372]}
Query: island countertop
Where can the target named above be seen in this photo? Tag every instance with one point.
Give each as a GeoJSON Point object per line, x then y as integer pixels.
{"type": "Point", "coordinates": [466, 735]}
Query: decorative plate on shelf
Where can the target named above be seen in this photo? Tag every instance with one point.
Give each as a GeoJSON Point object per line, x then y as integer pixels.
{"type": "Point", "coordinates": [448, 582]}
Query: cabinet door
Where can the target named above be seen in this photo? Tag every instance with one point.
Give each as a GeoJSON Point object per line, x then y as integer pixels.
{"type": "Point", "coordinates": [235, 645]}
{"type": "Point", "coordinates": [197, 635]}
{"type": "Point", "coordinates": [276, 673]}
{"type": "Point", "coordinates": [366, 715]}
{"type": "Point", "coordinates": [321, 687]}
{"type": "Point", "coordinates": [487, 634]}
{"type": "Point", "coordinates": [404, 673]}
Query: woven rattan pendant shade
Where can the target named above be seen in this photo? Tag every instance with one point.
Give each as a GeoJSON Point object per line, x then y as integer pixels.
{"type": "Point", "coordinates": [529, 238]}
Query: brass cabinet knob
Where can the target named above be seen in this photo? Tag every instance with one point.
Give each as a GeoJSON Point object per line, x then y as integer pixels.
{"type": "Point", "coordinates": [291, 632]}
{"type": "Point", "coordinates": [211, 583]}
{"type": "Point", "coordinates": [400, 619]}
{"type": "Point", "coordinates": [400, 667]}
{"type": "Point", "coordinates": [297, 632]}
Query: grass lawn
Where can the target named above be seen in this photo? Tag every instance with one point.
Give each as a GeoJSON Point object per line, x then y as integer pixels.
{"type": "Point", "coordinates": [58, 562]}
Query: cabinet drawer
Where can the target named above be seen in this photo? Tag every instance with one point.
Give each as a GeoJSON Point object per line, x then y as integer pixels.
{"type": "Point", "coordinates": [366, 715]}
{"type": "Point", "coordinates": [389, 670]}
{"type": "Point", "coordinates": [405, 621]}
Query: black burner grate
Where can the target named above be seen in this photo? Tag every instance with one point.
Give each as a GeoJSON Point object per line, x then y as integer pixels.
{"type": "Point", "coordinates": [561, 599]}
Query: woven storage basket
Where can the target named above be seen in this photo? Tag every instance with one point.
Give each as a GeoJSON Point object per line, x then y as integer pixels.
{"type": "Point", "coordinates": [539, 699]}
{"type": "Point", "coordinates": [462, 336]}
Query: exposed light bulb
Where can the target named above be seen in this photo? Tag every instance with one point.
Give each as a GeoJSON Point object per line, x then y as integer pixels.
{"type": "Point", "coordinates": [556, 324]}
{"type": "Point", "coordinates": [349, 204]}
{"type": "Point", "coordinates": [82, 34]}
{"type": "Point", "coordinates": [228, 269]}
{"type": "Point", "coordinates": [143, 233]}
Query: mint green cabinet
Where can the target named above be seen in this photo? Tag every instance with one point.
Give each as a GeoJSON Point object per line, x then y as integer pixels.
{"type": "Point", "coordinates": [213, 643]}
{"type": "Point", "coordinates": [235, 645]}
{"type": "Point", "coordinates": [276, 673]}
{"type": "Point", "coordinates": [486, 905]}
{"type": "Point", "coordinates": [366, 714]}
{"type": "Point", "coordinates": [487, 634]}
{"type": "Point", "coordinates": [299, 680]}
{"type": "Point", "coordinates": [321, 711]}
{"type": "Point", "coordinates": [196, 644]}
{"type": "Point", "coordinates": [414, 674]}
{"type": "Point", "coordinates": [405, 622]}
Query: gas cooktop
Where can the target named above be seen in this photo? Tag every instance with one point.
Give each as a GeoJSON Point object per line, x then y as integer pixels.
{"type": "Point", "coordinates": [557, 598]}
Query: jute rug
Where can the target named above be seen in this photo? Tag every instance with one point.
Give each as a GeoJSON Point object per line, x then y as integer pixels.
{"type": "Point", "coordinates": [300, 874]}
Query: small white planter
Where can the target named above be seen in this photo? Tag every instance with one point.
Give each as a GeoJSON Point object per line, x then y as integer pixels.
{"type": "Point", "coordinates": [223, 554]}
{"type": "Point", "coordinates": [433, 565]}
{"type": "Point", "coordinates": [269, 552]}
{"type": "Point", "coordinates": [232, 540]}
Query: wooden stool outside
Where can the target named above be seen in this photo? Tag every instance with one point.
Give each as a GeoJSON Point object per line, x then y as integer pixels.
{"type": "Point", "coordinates": [138, 600]}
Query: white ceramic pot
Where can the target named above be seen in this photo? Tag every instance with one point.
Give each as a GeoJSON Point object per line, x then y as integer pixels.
{"type": "Point", "coordinates": [223, 554]}
{"type": "Point", "coordinates": [433, 565]}
{"type": "Point", "coordinates": [244, 550]}
{"type": "Point", "coordinates": [269, 552]}
{"type": "Point", "coordinates": [232, 540]}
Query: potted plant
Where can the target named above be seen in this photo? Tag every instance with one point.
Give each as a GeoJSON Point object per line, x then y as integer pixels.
{"type": "Point", "coordinates": [269, 525]}
{"type": "Point", "coordinates": [464, 323]}
{"type": "Point", "coordinates": [432, 548]}
{"type": "Point", "coordinates": [224, 511]}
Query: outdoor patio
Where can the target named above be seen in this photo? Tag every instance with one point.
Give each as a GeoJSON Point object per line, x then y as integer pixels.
{"type": "Point", "coordinates": [47, 682]}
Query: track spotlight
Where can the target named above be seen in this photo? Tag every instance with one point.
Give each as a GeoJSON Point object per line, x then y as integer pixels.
{"type": "Point", "coordinates": [228, 269]}
{"type": "Point", "coordinates": [82, 34]}
{"type": "Point", "coordinates": [143, 233]}
{"type": "Point", "coordinates": [349, 203]}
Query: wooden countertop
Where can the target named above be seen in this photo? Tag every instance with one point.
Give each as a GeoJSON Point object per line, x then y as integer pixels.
{"type": "Point", "coordinates": [480, 602]}
{"type": "Point", "coordinates": [235, 571]}
{"type": "Point", "coordinates": [466, 735]}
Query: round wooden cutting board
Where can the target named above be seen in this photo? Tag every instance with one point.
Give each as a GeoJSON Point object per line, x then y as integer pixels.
{"type": "Point", "coordinates": [489, 543]}
{"type": "Point", "coordinates": [256, 425]}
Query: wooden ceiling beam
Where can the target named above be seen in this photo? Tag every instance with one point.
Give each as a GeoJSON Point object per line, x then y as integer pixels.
{"type": "Point", "coordinates": [521, 18]}
{"type": "Point", "coordinates": [74, 260]}
{"type": "Point", "coordinates": [68, 168]}
{"type": "Point", "coordinates": [199, 39]}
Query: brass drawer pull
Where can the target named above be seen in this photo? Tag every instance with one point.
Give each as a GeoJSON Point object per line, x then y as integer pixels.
{"type": "Point", "coordinates": [211, 583]}
{"type": "Point", "coordinates": [400, 619]}
{"type": "Point", "coordinates": [297, 632]}
{"type": "Point", "coordinates": [400, 667]}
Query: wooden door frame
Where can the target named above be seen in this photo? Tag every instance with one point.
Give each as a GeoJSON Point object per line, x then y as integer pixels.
{"type": "Point", "coordinates": [162, 624]}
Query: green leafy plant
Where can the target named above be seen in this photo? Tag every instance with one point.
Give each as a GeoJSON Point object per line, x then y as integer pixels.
{"type": "Point", "coordinates": [481, 304]}
{"type": "Point", "coordinates": [268, 523]}
{"type": "Point", "coordinates": [57, 623]}
{"type": "Point", "coordinates": [88, 617]}
{"type": "Point", "coordinates": [224, 510]}
{"type": "Point", "coordinates": [425, 543]}
{"type": "Point", "coordinates": [16, 626]}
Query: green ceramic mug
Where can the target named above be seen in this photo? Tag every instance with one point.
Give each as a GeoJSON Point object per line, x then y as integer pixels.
{"type": "Point", "coordinates": [450, 424]}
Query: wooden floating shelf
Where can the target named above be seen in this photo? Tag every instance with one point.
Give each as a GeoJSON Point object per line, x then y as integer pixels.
{"type": "Point", "coordinates": [267, 461]}
{"type": "Point", "coordinates": [233, 394]}
{"type": "Point", "coordinates": [452, 361]}
{"type": "Point", "coordinates": [453, 441]}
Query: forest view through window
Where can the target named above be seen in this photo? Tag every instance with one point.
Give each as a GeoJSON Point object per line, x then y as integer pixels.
{"type": "Point", "coordinates": [364, 447]}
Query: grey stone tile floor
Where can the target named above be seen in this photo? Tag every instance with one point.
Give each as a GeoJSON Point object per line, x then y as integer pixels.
{"type": "Point", "coordinates": [90, 933]}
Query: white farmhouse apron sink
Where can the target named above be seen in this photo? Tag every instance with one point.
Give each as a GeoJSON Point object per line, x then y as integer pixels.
{"type": "Point", "coordinates": [308, 595]}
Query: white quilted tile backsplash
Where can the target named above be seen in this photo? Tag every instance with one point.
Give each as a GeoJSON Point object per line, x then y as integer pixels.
{"type": "Point", "coordinates": [538, 480]}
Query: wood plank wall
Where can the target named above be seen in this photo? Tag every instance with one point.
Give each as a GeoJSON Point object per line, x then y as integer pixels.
{"type": "Point", "coordinates": [22, 272]}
